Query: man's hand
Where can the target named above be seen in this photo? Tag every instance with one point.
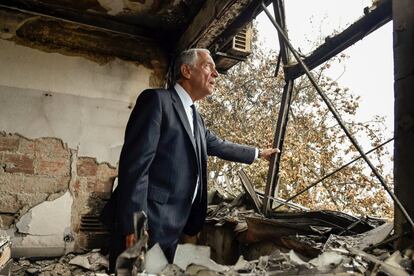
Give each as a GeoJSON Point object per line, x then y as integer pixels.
{"type": "Point", "coordinates": [267, 153]}
{"type": "Point", "coordinates": [130, 240]}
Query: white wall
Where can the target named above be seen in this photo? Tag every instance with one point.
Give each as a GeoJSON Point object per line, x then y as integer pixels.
{"type": "Point", "coordinates": [79, 101]}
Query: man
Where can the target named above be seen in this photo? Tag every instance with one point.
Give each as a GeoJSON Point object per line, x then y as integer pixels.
{"type": "Point", "coordinates": [163, 163]}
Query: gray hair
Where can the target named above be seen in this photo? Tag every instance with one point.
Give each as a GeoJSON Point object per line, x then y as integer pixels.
{"type": "Point", "coordinates": [189, 57]}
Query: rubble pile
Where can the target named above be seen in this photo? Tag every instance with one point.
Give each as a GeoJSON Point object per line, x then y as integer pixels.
{"type": "Point", "coordinates": [232, 213]}
{"type": "Point", "coordinates": [311, 242]}
{"type": "Point", "coordinates": [336, 262]}
{"type": "Point", "coordinates": [194, 260]}
{"type": "Point", "coordinates": [302, 243]}
{"type": "Point", "coordinates": [90, 264]}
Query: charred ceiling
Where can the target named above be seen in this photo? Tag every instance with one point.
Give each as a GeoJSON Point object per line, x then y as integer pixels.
{"type": "Point", "coordinates": [151, 19]}
{"type": "Point", "coordinates": [134, 30]}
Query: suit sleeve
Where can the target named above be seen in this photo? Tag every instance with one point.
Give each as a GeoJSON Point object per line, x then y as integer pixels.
{"type": "Point", "coordinates": [140, 145]}
{"type": "Point", "coordinates": [227, 150]}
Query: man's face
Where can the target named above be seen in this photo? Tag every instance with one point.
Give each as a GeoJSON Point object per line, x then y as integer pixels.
{"type": "Point", "coordinates": [203, 75]}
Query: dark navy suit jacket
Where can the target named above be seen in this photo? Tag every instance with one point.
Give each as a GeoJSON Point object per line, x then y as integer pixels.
{"type": "Point", "coordinates": [158, 169]}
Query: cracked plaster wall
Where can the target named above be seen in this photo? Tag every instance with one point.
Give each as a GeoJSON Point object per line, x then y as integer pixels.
{"type": "Point", "coordinates": [46, 228]}
{"type": "Point", "coordinates": [62, 121]}
{"type": "Point", "coordinates": [81, 102]}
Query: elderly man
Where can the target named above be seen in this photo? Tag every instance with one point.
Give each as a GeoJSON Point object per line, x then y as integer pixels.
{"type": "Point", "coordinates": [163, 163]}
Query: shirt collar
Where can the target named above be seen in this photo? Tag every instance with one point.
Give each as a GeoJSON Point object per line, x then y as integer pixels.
{"type": "Point", "coordinates": [184, 96]}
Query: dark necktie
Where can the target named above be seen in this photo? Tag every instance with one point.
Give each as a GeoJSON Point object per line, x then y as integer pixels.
{"type": "Point", "coordinates": [196, 134]}
{"type": "Point", "coordinates": [195, 124]}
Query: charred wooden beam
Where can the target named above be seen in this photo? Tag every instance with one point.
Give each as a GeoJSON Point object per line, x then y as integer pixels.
{"type": "Point", "coordinates": [403, 13]}
{"type": "Point", "coordinates": [279, 10]}
{"type": "Point", "coordinates": [246, 16]}
{"type": "Point", "coordinates": [95, 20]}
{"type": "Point", "coordinates": [217, 22]}
{"type": "Point", "coordinates": [273, 176]}
{"type": "Point", "coordinates": [374, 18]}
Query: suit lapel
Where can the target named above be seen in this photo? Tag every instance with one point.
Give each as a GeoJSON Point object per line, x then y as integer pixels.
{"type": "Point", "coordinates": [179, 109]}
{"type": "Point", "coordinates": [200, 167]}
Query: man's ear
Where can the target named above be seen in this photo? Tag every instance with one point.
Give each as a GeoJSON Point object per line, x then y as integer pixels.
{"type": "Point", "coordinates": [185, 71]}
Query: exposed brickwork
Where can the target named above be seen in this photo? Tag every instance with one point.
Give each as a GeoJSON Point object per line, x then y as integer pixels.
{"type": "Point", "coordinates": [76, 187]}
{"type": "Point", "coordinates": [8, 142]}
{"type": "Point", "coordinates": [2, 165]}
{"type": "Point", "coordinates": [18, 163]}
{"type": "Point", "coordinates": [9, 203]}
{"type": "Point", "coordinates": [51, 147]}
{"type": "Point", "coordinates": [19, 184]}
{"type": "Point", "coordinates": [91, 188]}
{"type": "Point", "coordinates": [99, 177]}
{"type": "Point", "coordinates": [87, 166]}
{"type": "Point", "coordinates": [32, 171]}
{"type": "Point", "coordinates": [29, 200]}
{"type": "Point", "coordinates": [6, 221]}
{"type": "Point", "coordinates": [26, 146]}
{"type": "Point", "coordinates": [53, 167]}
{"type": "Point", "coordinates": [46, 184]}
{"type": "Point", "coordinates": [105, 179]}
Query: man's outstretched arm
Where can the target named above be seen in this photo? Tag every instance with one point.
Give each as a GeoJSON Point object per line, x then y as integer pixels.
{"type": "Point", "coordinates": [235, 152]}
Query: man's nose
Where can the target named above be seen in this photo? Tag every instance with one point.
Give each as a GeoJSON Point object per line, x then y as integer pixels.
{"type": "Point", "coordinates": [214, 73]}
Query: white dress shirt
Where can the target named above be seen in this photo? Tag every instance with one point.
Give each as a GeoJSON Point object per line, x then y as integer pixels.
{"type": "Point", "coordinates": [187, 103]}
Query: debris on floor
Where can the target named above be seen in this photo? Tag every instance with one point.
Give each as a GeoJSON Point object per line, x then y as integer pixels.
{"type": "Point", "coordinates": [155, 260]}
{"type": "Point", "coordinates": [187, 254]}
{"type": "Point", "coordinates": [5, 256]}
{"type": "Point", "coordinates": [90, 264]}
{"type": "Point", "coordinates": [93, 261]}
{"type": "Point", "coordinates": [284, 243]}
{"type": "Point", "coordinates": [302, 242]}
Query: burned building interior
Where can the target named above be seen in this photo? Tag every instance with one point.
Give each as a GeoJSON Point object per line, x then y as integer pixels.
{"type": "Point", "coordinates": [70, 72]}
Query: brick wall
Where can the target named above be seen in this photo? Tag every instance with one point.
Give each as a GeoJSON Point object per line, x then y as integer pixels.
{"type": "Point", "coordinates": [32, 171]}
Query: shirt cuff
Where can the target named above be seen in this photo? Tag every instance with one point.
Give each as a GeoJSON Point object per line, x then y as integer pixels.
{"type": "Point", "coordinates": [256, 154]}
